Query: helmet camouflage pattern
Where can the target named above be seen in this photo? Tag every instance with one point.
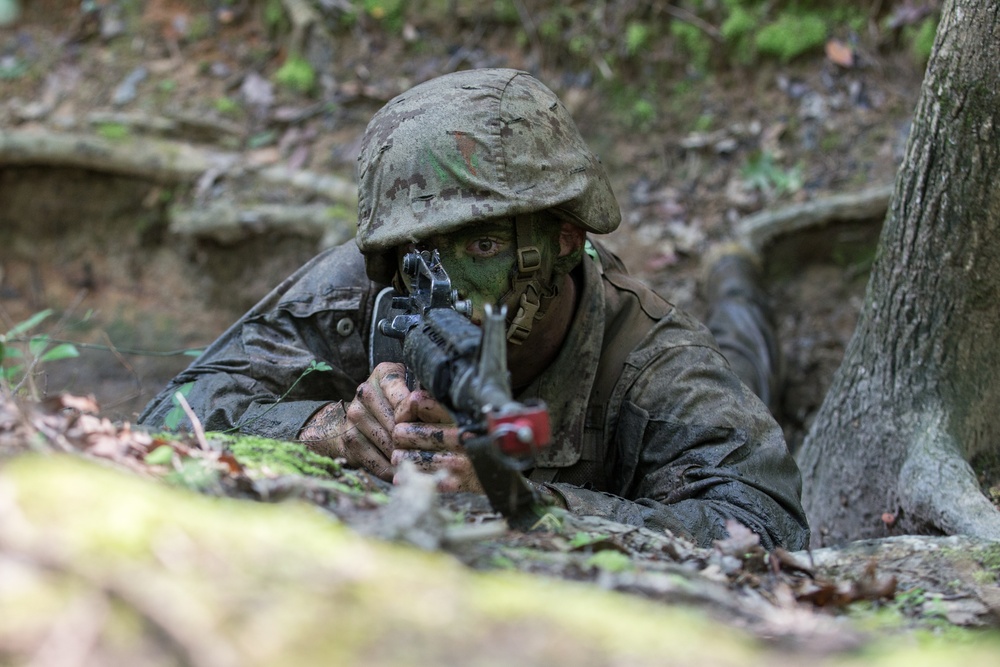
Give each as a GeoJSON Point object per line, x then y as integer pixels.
{"type": "Point", "coordinates": [468, 146]}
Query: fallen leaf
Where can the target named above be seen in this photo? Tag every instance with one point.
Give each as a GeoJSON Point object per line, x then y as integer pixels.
{"type": "Point", "coordinates": [840, 53]}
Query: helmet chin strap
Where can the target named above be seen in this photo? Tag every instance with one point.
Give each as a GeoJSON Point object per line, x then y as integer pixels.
{"type": "Point", "coordinates": [532, 290]}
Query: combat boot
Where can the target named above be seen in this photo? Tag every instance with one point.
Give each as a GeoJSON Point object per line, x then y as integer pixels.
{"type": "Point", "coordinates": [742, 320]}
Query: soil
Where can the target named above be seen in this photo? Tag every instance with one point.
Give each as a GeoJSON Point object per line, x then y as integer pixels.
{"type": "Point", "coordinates": [95, 247]}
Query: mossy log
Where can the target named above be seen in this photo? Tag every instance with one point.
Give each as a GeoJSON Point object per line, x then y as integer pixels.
{"type": "Point", "coordinates": [108, 568]}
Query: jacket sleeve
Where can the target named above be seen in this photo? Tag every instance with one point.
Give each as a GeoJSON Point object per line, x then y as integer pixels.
{"type": "Point", "coordinates": [256, 377]}
{"type": "Point", "coordinates": [694, 447]}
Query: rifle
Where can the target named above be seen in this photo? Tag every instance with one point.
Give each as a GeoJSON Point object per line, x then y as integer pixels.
{"type": "Point", "coordinates": [465, 369]}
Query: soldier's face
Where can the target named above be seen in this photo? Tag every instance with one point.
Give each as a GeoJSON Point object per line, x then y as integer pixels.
{"type": "Point", "coordinates": [478, 261]}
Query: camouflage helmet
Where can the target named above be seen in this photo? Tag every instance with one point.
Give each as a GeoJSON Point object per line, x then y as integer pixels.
{"type": "Point", "coordinates": [468, 146]}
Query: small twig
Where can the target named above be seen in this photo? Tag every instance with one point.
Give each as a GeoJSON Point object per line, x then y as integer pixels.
{"type": "Point", "coordinates": [686, 16]}
{"type": "Point", "coordinates": [529, 26]}
{"type": "Point", "coordinates": [128, 367]}
{"type": "Point", "coordinates": [199, 431]}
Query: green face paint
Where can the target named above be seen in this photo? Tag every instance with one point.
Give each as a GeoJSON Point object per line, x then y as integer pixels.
{"type": "Point", "coordinates": [479, 260]}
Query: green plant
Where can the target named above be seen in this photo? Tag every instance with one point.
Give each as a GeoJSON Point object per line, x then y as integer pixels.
{"type": "Point", "coordinates": [704, 122]}
{"type": "Point", "coordinates": [636, 38]}
{"type": "Point", "coordinates": [173, 418]}
{"type": "Point", "coordinates": [19, 355]}
{"type": "Point", "coordinates": [921, 38]}
{"type": "Point", "coordinates": [227, 105]}
{"type": "Point", "coordinates": [505, 11]}
{"type": "Point", "coordinates": [274, 17]}
{"type": "Point", "coordinates": [390, 12]}
{"type": "Point", "coordinates": [791, 35]}
{"type": "Point", "coordinates": [761, 173]}
{"type": "Point", "coordinates": [737, 32]}
{"type": "Point", "coordinates": [296, 74]}
{"type": "Point", "coordinates": [694, 43]}
{"type": "Point", "coordinates": [581, 539]}
{"type": "Point", "coordinates": [643, 113]}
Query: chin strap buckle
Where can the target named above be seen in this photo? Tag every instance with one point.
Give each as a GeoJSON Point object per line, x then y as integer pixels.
{"type": "Point", "coordinates": [520, 324]}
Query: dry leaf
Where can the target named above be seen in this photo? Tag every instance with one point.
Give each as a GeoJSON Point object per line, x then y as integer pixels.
{"type": "Point", "coordinates": [840, 53]}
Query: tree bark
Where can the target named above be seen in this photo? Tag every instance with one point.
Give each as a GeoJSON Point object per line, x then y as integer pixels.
{"type": "Point", "coordinates": [914, 399]}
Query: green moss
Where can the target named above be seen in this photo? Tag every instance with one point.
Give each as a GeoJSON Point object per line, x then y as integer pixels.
{"type": "Point", "coordinates": [113, 131]}
{"type": "Point", "coordinates": [296, 74]}
{"type": "Point", "coordinates": [694, 43]}
{"type": "Point", "coordinates": [790, 36]}
{"type": "Point", "coordinates": [282, 584]}
{"type": "Point", "coordinates": [581, 45]}
{"type": "Point", "coordinates": [921, 38]}
{"type": "Point", "coordinates": [737, 31]}
{"type": "Point", "coordinates": [989, 557]}
{"type": "Point", "coordinates": [505, 11]}
{"type": "Point", "coordinates": [636, 38]}
{"type": "Point", "coordinates": [227, 106]}
{"type": "Point", "coordinates": [610, 561]}
{"type": "Point", "coordinates": [277, 457]}
{"type": "Point", "coordinates": [704, 123]}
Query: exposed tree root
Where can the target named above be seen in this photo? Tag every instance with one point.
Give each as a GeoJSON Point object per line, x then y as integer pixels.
{"type": "Point", "coordinates": [227, 223]}
{"type": "Point", "coordinates": [158, 161]}
{"type": "Point", "coordinates": [938, 487]}
{"type": "Point", "coordinates": [760, 229]}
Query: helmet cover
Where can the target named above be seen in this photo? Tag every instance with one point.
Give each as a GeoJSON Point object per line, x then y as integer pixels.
{"type": "Point", "coordinates": [468, 146]}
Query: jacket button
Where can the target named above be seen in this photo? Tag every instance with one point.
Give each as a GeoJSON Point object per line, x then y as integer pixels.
{"type": "Point", "coordinates": [345, 326]}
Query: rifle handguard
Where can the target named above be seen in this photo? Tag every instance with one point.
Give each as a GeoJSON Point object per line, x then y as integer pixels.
{"type": "Point", "coordinates": [465, 368]}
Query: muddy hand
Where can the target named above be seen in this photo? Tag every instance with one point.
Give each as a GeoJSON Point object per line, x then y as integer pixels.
{"type": "Point", "coordinates": [362, 434]}
{"type": "Point", "coordinates": [426, 434]}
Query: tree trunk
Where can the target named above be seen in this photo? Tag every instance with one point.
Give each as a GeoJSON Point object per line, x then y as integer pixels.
{"type": "Point", "coordinates": [915, 397]}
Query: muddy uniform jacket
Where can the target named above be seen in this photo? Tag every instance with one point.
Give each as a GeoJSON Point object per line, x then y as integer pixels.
{"type": "Point", "coordinates": [650, 425]}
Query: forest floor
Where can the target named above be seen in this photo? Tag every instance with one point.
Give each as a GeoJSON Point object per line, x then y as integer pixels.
{"type": "Point", "coordinates": [716, 150]}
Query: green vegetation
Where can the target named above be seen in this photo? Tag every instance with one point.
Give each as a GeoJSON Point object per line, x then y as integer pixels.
{"type": "Point", "coordinates": [277, 457]}
{"type": "Point", "coordinates": [737, 31]}
{"type": "Point", "coordinates": [791, 35]}
{"type": "Point", "coordinates": [274, 17]}
{"type": "Point", "coordinates": [296, 74]}
{"type": "Point", "coordinates": [694, 43]}
{"type": "Point", "coordinates": [921, 39]}
{"type": "Point", "coordinates": [761, 173]}
{"type": "Point", "coordinates": [113, 131]}
{"type": "Point", "coordinates": [227, 106]}
{"type": "Point", "coordinates": [611, 561]}
{"type": "Point", "coordinates": [20, 355]}
{"type": "Point", "coordinates": [636, 38]}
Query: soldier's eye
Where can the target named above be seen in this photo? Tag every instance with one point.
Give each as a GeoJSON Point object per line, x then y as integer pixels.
{"type": "Point", "coordinates": [484, 247]}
